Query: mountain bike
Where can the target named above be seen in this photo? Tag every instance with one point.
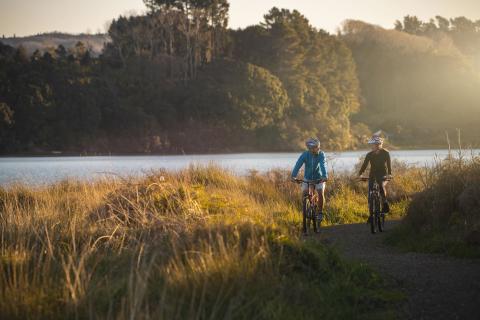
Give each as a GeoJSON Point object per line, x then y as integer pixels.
{"type": "Point", "coordinates": [310, 206]}
{"type": "Point", "coordinates": [377, 216]}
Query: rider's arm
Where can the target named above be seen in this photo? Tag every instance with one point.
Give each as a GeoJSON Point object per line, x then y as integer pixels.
{"type": "Point", "coordinates": [323, 165]}
{"type": "Point", "coordinates": [365, 164]}
{"type": "Point", "coordinates": [298, 165]}
{"type": "Point", "coordinates": [389, 164]}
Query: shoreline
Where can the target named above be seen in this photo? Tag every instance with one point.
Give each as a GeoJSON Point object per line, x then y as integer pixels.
{"type": "Point", "coordinates": [135, 154]}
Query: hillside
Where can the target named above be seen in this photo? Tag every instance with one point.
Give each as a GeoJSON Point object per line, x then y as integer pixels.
{"type": "Point", "coordinates": [416, 86]}
{"type": "Point", "coordinates": [44, 41]}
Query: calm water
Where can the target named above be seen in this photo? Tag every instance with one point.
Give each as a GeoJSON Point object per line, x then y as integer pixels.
{"type": "Point", "coordinates": [39, 170]}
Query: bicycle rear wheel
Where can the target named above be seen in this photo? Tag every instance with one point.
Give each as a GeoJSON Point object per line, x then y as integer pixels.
{"type": "Point", "coordinates": [311, 218]}
{"type": "Point", "coordinates": [381, 222]}
{"type": "Point", "coordinates": [374, 208]}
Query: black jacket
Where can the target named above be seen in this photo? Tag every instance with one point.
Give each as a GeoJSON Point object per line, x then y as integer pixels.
{"type": "Point", "coordinates": [380, 163]}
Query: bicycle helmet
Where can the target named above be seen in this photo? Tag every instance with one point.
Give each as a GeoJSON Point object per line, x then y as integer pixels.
{"type": "Point", "coordinates": [375, 139]}
{"type": "Point", "coordinates": [312, 143]}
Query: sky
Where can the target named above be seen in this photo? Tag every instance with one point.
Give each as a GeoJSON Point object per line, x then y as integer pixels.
{"type": "Point", "coordinates": [27, 17]}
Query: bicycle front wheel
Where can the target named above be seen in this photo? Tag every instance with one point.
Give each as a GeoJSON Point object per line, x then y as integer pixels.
{"type": "Point", "coordinates": [306, 208]}
{"type": "Point", "coordinates": [316, 221]}
{"type": "Point", "coordinates": [311, 218]}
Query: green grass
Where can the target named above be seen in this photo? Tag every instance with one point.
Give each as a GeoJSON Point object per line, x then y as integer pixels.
{"type": "Point", "coordinates": [198, 244]}
{"type": "Point", "coordinates": [443, 242]}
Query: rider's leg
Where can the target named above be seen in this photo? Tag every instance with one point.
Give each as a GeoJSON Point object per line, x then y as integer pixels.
{"type": "Point", "coordinates": [304, 190]}
{"type": "Point", "coordinates": [321, 199]}
{"type": "Point", "coordinates": [383, 194]}
{"type": "Point", "coordinates": [304, 195]}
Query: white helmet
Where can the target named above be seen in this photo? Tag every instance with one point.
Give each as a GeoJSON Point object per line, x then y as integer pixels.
{"type": "Point", "coordinates": [312, 143]}
{"type": "Point", "coordinates": [375, 139]}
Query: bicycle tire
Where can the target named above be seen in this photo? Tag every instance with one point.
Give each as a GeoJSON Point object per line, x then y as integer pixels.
{"type": "Point", "coordinates": [306, 203]}
{"type": "Point", "coordinates": [374, 215]}
{"type": "Point", "coordinates": [381, 222]}
{"type": "Point", "coordinates": [371, 211]}
{"type": "Point", "coordinates": [304, 215]}
{"type": "Point", "coordinates": [377, 213]}
{"type": "Point", "coordinates": [311, 220]}
{"type": "Point", "coordinates": [315, 221]}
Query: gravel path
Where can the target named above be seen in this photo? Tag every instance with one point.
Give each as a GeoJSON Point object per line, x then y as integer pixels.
{"type": "Point", "coordinates": [437, 286]}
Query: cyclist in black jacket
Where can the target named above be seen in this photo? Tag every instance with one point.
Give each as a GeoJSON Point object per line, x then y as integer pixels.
{"type": "Point", "coordinates": [380, 168]}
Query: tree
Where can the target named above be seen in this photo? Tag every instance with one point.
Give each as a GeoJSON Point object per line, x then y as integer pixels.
{"type": "Point", "coordinates": [412, 25]}
{"type": "Point", "coordinates": [6, 123]}
{"type": "Point", "coordinates": [443, 24]}
{"type": "Point", "coordinates": [398, 25]}
{"type": "Point", "coordinates": [239, 100]}
{"type": "Point", "coordinates": [316, 69]}
{"type": "Point", "coordinates": [201, 25]}
{"type": "Point", "coordinates": [21, 55]}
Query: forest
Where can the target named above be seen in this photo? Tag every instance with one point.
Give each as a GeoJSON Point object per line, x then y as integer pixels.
{"type": "Point", "coordinates": [179, 80]}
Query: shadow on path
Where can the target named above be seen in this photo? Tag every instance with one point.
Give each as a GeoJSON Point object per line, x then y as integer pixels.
{"type": "Point", "coordinates": [437, 286]}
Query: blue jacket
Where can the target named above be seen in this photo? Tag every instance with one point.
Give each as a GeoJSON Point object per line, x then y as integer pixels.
{"type": "Point", "coordinates": [315, 167]}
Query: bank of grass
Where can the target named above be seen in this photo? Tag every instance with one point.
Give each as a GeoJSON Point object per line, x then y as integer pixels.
{"type": "Point", "coordinates": [198, 244]}
{"type": "Point", "coordinates": [450, 243]}
{"type": "Point", "coordinates": [445, 216]}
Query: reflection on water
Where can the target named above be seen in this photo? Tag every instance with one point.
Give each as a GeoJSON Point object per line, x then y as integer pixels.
{"type": "Point", "coordinates": [40, 170]}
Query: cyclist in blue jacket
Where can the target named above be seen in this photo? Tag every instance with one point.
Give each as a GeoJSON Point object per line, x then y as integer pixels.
{"type": "Point", "coordinates": [315, 169]}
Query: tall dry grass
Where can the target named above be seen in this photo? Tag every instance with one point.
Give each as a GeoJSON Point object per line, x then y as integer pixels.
{"type": "Point", "coordinates": [198, 244]}
{"type": "Point", "coordinates": [445, 216]}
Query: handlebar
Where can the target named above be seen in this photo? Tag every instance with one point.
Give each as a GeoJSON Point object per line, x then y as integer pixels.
{"type": "Point", "coordinates": [385, 178]}
{"type": "Point", "coordinates": [317, 181]}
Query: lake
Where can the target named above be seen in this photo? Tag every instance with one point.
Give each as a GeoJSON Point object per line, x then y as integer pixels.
{"type": "Point", "coordinates": [40, 170]}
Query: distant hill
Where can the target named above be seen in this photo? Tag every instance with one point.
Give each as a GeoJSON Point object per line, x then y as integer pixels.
{"type": "Point", "coordinates": [54, 39]}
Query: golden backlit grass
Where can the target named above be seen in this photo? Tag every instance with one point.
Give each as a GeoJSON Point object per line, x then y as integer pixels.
{"type": "Point", "coordinates": [445, 216]}
{"type": "Point", "coordinates": [198, 244]}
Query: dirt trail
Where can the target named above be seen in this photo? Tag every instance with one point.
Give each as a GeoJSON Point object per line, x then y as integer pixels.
{"type": "Point", "coordinates": [437, 286]}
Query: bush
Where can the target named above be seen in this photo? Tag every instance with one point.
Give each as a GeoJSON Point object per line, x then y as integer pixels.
{"type": "Point", "coordinates": [445, 217]}
{"type": "Point", "coordinates": [451, 199]}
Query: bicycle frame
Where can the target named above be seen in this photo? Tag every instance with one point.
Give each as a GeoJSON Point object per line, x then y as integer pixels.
{"type": "Point", "coordinates": [377, 218]}
{"type": "Point", "coordinates": [374, 194]}
{"type": "Point", "coordinates": [310, 205]}
{"type": "Point", "coordinates": [312, 195]}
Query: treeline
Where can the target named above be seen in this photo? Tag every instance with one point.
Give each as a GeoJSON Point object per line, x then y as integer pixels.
{"type": "Point", "coordinates": [48, 41]}
{"type": "Point", "coordinates": [464, 33]}
{"type": "Point", "coordinates": [420, 80]}
{"type": "Point", "coordinates": [179, 80]}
